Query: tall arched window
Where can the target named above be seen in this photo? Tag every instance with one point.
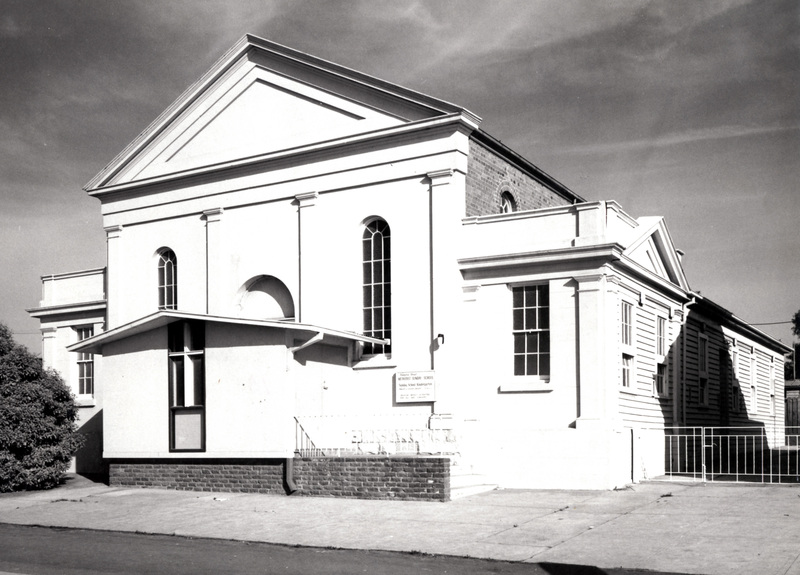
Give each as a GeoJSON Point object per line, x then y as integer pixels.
{"type": "Point", "coordinates": [167, 280]}
{"type": "Point", "coordinates": [377, 284]}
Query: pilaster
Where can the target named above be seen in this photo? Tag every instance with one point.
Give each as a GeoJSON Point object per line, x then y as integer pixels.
{"type": "Point", "coordinates": [48, 346]}
{"type": "Point", "coordinates": [305, 230]}
{"type": "Point", "coordinates": [114, 301]}
{"type": "Point", "coordinates": [597, 384]}
{"type": "Point", "coordinates": [215, 275]}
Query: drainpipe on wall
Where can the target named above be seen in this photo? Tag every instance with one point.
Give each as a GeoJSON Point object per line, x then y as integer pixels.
{"type": "Point", "coordinates": [684, 320]}
{"type": "Point", "coordinates": [289, 470]}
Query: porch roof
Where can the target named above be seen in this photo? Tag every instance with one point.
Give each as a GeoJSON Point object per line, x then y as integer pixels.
{"type": "Point", "coordinates": [162, 318]}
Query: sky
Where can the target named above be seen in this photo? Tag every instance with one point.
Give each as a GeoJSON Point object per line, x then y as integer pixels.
{"type": "Point", "coordinates": [677, 108]}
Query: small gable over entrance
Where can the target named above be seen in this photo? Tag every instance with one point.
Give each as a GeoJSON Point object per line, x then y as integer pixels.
{"type": "Point", "coordinates": [653, 250]}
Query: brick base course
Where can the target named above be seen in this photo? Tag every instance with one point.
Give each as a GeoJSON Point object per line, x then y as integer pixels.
{"type": "Point", "coordinates": [410, 478]}
{"type": "Point", "coordinates": [405, 478]}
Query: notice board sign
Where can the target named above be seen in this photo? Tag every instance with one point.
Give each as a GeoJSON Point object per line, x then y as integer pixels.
{"type": "Point", "coordinates": [414, 386]}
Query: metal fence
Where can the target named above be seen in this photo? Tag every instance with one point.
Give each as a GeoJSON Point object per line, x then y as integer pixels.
{"type": "Point", "coordinates": [738, 454]}
{"type": "Point", "coordinates": [378, 434]}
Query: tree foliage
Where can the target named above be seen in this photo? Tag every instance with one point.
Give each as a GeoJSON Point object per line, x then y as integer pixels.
{"type": "Point", "coordinates": [796, 323]}
{"type": "Point", "coordinates": [38, 416]}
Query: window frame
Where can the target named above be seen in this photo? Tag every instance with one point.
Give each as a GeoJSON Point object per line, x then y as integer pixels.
{"type": "Point", "coordinates": [508, 203]}
{"type": "Point", "coordinates": [85, 363]}
{"type": "Point", "coordinates": [376, 287]}
{"type": "Point", "coordinates": [167, 279]}
{"type": "Point", "coordinates": [702, 366]}
{"type": "Point", "coordinates": [191, 352]}
{"type": "Point", "coordinates": [661, 380]}
{"type": "Point", "coordinates": [627, 372]}
{"type": "Point", "coordinates": [627, 342]}
{"type": "Point", "coordinates": [521, 330]}
{"type": "Point", "coordinates": [627, 325]}
{"type": "Point", "coordinates": [661, 337]}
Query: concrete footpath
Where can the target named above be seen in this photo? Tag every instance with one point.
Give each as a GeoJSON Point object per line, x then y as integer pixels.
{"type": "Point", "coordinates": [670, 527]}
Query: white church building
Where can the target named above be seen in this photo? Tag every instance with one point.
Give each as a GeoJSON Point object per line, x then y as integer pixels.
{"type": "Point", "coordinates": [307, 263]}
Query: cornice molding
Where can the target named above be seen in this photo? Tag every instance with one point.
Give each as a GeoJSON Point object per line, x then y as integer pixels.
{"type": "Point", "coordinates": [610, 252]}
{"type": "Point", "coordinates": [427, 128]}
{"type": "Point", "coordinates": [67, 308]}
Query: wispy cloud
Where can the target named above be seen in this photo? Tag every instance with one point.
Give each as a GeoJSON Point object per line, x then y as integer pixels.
{"type": "Point", "coordinates": [679, 138]}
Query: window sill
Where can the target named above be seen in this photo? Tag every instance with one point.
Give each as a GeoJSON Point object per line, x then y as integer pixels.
{"type": "Point", "coordinates": [375, 362]}
{"type": "Point", "coordinates": [528, 386]}
{"type": "Point", "coordinates": [85, 402]}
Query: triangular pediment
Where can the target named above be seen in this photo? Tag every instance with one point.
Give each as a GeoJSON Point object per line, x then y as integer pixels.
{"type": "Point", "coordinates": [263, 98]}
{"type": "Point", "coordinates": [259, 113]}
{"type": "Point", "coordinates": [653, 250]}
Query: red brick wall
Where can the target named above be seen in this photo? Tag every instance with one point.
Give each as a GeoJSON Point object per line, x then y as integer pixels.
{"type": "Point", "coordinates": [488, 175]}
{"type": "Point", "coordinates": [408, 478]}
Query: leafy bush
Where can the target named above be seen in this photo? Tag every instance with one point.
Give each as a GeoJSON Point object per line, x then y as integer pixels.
{"type": "Point", "coordinates": [38, 434]}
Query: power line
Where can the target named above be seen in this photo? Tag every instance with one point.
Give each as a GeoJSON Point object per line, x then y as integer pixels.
{"type": "Point", "coordinates": [773, 323]}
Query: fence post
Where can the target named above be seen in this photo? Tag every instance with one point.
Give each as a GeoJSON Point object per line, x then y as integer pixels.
{"type": "Point", "coordinates": [703, 452]}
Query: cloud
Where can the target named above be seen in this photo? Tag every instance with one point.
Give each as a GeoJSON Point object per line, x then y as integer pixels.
{"type": "Point", "coordinates": [680, 138]}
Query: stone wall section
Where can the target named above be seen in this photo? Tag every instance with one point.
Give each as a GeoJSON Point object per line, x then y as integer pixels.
{"type": "Point", "coordinates": [488, 175]}
{"type": "Point", "coordinates": [402, 478]}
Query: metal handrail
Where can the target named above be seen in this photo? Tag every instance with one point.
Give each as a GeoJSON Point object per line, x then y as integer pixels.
{"type": "Point", "coordinates": [304, 445]}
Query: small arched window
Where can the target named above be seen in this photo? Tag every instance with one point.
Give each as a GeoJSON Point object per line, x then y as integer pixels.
{"type": "Point", "coordinates": [377, 285]}
{"type": "Point", "coordinates": [507, 203]}
{"type": "Point", "coordinates": [167, 280]}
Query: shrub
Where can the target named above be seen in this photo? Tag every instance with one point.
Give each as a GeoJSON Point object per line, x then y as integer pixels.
{"type": "Point", "coordinates": [38, 434]}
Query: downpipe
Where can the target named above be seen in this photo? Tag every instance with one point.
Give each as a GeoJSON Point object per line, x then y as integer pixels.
{"type": "Point", "coordinates": [288, 468]}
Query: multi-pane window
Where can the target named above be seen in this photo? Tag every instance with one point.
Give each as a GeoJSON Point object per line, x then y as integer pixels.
{"type": "Point", "coordinates": [167, 280]}
{"type": "Point", "coordinates": [661, 379]}
{"type": "Point", "coordinates": [703, 393]}
{"type": "Point", "coordinates": [85, 364]}
{"type": "Point", "coordinates": [702, 354]}
{"type": "Point", "coordinates": [377, 285]}
{"type": "Point", "coordinates": [661, 336]}
{"type": "Point", "coordinates": [187, 386]}
{"type": "Point", "coordinates": [627, 370]}
{"type": "Point", "coordinates": [626, 320]}
{"type": "Point", "coordinates": [531, 329]}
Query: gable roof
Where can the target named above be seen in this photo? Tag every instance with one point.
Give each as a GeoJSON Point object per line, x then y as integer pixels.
{"type": "Point", "coordinates": [650, 246]}
{"type": "Point", "coordinates": [260, 98]}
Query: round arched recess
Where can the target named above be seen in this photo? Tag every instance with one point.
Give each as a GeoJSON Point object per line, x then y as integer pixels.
{"type": "Point", "coordinates": [265, 297]}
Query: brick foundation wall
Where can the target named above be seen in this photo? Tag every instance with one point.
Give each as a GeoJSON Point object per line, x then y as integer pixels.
{"type": "Point", "coordinates": [488, 175]}
{"type": "Point", "coordinates": [404, 478]}
{"type": "Point", "coordinates": [260, 476]}
{"type": "Point", "coordinates": [409, 478]}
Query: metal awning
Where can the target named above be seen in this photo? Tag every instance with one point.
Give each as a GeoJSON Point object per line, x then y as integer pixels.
{"type": "Point", "coordinates": [314, 333]}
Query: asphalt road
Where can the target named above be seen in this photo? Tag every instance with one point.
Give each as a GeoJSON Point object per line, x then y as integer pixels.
{"type": "Point", "coordinates": [47, 550]}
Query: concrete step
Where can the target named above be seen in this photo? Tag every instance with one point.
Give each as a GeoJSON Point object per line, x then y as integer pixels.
{"type": "Point", "coordinates": [467, 490]}
{"type": "Point", "coordinates": [466, 484]}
